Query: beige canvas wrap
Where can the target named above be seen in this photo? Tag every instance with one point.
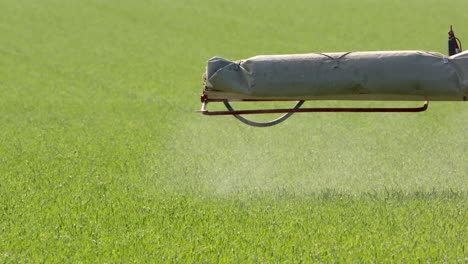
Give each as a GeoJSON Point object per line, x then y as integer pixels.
{"type": "Point", "coordinates": [383, 75]}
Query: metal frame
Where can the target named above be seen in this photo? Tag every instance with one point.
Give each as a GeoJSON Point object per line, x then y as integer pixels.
{"type": "Point", "coordinates": [204, 111]}
{"type": "Point", "coordinates": [296, 109]}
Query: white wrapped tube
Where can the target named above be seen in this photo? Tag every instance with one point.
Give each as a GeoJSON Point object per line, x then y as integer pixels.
{"type": "Point", "coordinates": [384, 75]}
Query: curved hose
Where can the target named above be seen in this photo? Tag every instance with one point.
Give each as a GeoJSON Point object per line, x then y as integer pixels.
{"type": "Point", "coordinates": [459, 43]}
{"type": "Point", "coordinates": [263, 124]}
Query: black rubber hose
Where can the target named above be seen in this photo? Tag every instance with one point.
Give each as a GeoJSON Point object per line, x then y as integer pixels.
{"type": "Point", "coordinates": [263, 124]}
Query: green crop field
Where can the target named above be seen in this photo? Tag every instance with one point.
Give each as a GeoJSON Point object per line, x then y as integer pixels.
{"type": "Point", "coordinates": [103, 159]}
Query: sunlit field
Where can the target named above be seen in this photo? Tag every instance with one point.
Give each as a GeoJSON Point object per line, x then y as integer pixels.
{"type": "Point", "coordinates": [103, 158]}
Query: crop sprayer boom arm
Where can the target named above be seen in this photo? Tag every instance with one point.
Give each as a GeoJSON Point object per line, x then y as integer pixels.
{"type": "Point", "coordinates": [377, 76]}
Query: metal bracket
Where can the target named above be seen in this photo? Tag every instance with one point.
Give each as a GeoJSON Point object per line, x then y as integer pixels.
{"type": "Point", "coordinates": [297, 109]}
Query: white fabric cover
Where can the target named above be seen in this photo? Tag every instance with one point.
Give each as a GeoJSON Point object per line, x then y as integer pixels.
{"type": "Point", "coordinates": [399, 74]}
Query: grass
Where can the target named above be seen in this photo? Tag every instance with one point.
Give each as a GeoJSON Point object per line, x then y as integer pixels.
{"type": "Point", "coordinates": [103, 159]}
